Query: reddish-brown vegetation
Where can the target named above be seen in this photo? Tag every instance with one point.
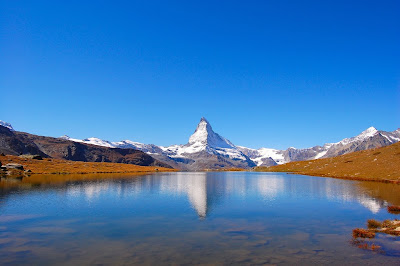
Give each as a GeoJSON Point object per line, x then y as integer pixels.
{"type": "Point", "coordinates": [367, 246]}
{"type": "Point", "coordinates": [394, 209]}
{"type": "Point", "coordinates": [362, 233]}
{"type": "Point", "coordinates": [391, 227]}
{"type": "Point", "coordinates": [381, 164]}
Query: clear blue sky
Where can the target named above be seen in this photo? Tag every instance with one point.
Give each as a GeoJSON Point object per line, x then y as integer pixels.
{"type": "Point", "coordinates": [264, 73]}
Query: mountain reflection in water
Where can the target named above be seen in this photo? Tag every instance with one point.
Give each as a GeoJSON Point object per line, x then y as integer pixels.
{"type": "Point", "coordinates": [205, 189]}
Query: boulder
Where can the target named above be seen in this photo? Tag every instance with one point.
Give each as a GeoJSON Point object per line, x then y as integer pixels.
{"type": "Point", "coordinates": [15, 166]}
{"type": "Point", "coordinates": [34, 157]}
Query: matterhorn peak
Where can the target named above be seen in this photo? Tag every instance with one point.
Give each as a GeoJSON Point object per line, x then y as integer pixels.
{"type": "Point", "coordinates": [204, 135]}
{"type": "Point", "coordinates": [202, 132]}
{"type": "Point", "coordinates": [203, 119]}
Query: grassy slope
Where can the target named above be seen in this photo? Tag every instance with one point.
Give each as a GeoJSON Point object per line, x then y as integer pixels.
{"type": "Point", "coordinates": [381, 164]}
{"type": "Point", "coordinates": [58, 166]}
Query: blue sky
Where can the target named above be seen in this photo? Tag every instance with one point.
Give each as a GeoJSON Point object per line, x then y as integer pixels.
{"type": "Point", "coordinates": [264, 73]}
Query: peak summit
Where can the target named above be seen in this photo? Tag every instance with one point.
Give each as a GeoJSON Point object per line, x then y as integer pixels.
{"type": "Point", "coordinates": [370, 129]}
{"type": "Point", "coordinates": [369, 132]}
{"type": "Point", "coordinates": [203, 119]}
{"type": "Point", "coordinates": [7, 125]}
{"type": "Point", "coordinates": [205, 135]}
{"type": "Point", "coordinates": [202, 132]}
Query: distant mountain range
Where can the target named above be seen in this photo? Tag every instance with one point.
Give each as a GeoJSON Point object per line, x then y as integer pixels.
{"type": "Point", "coordinates": [208, 150]}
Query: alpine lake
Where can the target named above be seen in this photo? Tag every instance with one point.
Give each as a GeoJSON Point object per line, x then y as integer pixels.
{"type": "Point", "coordinates": [192, 218]}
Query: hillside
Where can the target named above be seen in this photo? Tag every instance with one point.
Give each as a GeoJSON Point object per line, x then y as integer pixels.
{"type": "Point", "coordinates": [15, 143]}
{"type": "Point", "coordinates": [380, 164]}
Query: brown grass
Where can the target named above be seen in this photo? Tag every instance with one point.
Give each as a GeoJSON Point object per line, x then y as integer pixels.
{"type": "Point", "coordinates": [58, 166]}
{"type": "Point", "coordinates": [381, 164]}
{"type": "Point", "coordinates": [362, 233]}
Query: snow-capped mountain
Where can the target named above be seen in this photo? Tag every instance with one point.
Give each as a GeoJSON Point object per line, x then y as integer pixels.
{"type": "Point", "coordinates": [204, 139]}
{"type": "Point", "coordinates": [207, 149]}
{"type": "Point", "coordinates": [7, 125]}
{"type": "Point", "coordinates": [264, 156]}
{"type": "Point", "coordinates": [93, 141]}
{"type": "Point", "coordinates": [205, 136]}
{"type": "Point", "coordinates": [369, 132]}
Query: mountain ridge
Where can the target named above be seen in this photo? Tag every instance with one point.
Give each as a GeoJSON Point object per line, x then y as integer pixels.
{"type": "Point", "coordinates": [204, 139]}
{"type": "Point", "coordinates": [207, 149]}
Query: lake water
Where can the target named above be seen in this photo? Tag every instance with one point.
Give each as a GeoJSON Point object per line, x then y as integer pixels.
{"type": "Point", "coordinates": [192, 218]}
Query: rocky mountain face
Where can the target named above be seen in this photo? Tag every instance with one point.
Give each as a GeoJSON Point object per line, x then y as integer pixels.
{"type": "Point", "coordinates": [10, 143]}
{"type": "Point", "coordinates": [16, 143]}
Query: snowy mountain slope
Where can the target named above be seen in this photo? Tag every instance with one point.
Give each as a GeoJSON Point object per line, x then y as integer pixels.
{"type": "Point", "coordinates": [368, 139]}
{"type": "Point", "coordinates": [369, 132]}
{"type": "Point", "coordinates": [264, 156]}
{"type": "Point", "coordinates": [93, 141]}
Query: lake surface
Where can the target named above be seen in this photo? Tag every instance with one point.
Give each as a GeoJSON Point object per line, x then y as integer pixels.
{"type": "Point", "coordinates": [192, 218]}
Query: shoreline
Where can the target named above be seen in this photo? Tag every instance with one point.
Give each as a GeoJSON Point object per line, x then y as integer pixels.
{"type": "Point", "coordinates": [50, 166]}
{"type": "Point", "coordinates": [387, 181]}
